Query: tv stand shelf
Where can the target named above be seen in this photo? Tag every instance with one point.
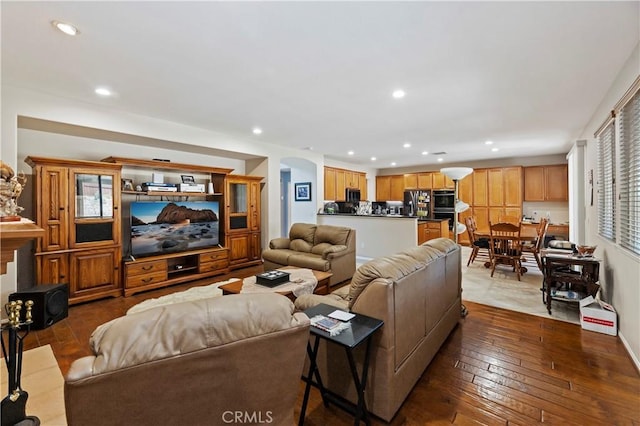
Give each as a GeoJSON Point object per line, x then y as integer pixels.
{"type": "Point", "coordinates": [153, 272]}
{"type": "Point", "coordinates": [171, 194]}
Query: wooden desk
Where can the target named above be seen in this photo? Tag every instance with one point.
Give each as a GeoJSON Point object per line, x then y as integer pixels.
{"type": "Point", "coordinates": [575, 273]}
{"type": "Point", "coordinates": [322, 287]}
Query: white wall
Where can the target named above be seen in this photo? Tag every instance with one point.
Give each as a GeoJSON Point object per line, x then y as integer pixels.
{"type": "Point", "coordinates": [620, 269]}
{"type": "Point", "coordinates": [303, 171]}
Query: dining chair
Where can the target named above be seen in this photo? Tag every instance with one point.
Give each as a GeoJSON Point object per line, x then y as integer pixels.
{"type": "Point", "coordinates": [505, 246]}
{"type": "Point", "coordinates": [509, 219]}
{"type": "Point", "coordinates": [534, 247]}
{"type": "Point", "coordinates": [479, 246]}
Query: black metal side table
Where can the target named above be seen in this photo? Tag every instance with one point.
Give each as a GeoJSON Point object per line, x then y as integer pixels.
{"type": "Point", "coordinates": [361, 330]}
{"type": "Point", "coordinates": [578, 273]}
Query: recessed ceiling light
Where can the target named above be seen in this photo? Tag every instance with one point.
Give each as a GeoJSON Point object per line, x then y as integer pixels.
{"type": "Point", "coordinates": [257, 131]}
{"type": "Point", "coordinates": [65, 28]}
{"type": "Point", "coordinates": [406, 145]}
{"type": "Point", "coordinates": [488, 142]}
{"type": "Point", "coordinates": [398, 94]}
{"type": "Point", "coordinates": [373, 158]}
{"type": "Point", "coordinates": [350, 153]}
{"type": "Point", "coordinates": [393, 163]}
{"type": "Point", "coordinates": [440, 160]}
{"type": "Point", "coordinates": [425, 152]}
{"type": "Point", "coordinates": [494, 149]}
{"type": "Point", "coordinates": [103, 91]}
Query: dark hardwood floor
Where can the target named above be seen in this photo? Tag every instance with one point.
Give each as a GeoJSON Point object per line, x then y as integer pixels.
{"type": "Point", "coordinates": [498, 367]}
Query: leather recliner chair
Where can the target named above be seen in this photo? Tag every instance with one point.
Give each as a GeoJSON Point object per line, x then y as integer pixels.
{"type": "Point", "coordinates": [220, 360]}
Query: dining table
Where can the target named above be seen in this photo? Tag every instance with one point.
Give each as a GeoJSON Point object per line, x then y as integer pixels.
{"type": "Point", "coordinates": [527, 234]}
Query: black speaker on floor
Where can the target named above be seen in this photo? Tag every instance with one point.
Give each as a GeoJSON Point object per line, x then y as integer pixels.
{"type": "Point", "coordinates": [50, 303]}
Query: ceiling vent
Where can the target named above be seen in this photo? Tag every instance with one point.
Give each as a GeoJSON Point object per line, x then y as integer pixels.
{"type": "Point", "coordinates": [439, 153]}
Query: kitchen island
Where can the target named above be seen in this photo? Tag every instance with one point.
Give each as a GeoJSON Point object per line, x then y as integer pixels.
{"type": "Point", "coordinates": [379, 235]}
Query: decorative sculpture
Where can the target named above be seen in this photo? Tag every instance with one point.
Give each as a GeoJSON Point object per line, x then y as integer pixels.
{"type": "Point", "coordinates": [11, 186]}
{"type": "Point", "coordinates": [14, 404]}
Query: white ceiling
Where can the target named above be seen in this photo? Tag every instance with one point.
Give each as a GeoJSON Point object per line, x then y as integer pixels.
{"type": "Point", "coordinates": [526, 75]}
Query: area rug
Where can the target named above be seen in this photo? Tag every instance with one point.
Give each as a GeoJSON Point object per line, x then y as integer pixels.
{"type": "Point", "coordinates": [43, 381]}
{"type": "Point", "coordinates": [505, 291]}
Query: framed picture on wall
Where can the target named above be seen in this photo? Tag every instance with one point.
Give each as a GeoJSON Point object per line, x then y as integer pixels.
{"type": "Point", "coordinates": [303, 191]}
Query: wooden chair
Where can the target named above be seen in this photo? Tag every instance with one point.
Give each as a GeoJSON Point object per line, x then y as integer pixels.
{"type": "Point", "coordinates": [505, 246]}
{"type": "Point", "coordinates": [477, 244]}
{"type": "Point", "coordinates": [509, 219]}
{"type": "Point", "coordinates": [535, 247]}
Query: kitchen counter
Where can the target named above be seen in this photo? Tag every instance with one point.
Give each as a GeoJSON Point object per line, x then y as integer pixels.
{"type": "Point", "coordinates": [390, 216]}
{"type": "Point", "coordinates": [379, 235]}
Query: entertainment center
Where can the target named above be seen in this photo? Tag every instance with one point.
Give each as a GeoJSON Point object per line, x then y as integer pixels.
{"type": "Point", "coordinates": [93, 242]}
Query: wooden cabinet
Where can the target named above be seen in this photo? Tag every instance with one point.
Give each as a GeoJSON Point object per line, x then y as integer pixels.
{"type": "Point", "coordinates": [512, 185]}
{"type": "Point", "coordinates": [242, 210]}
{"type": "Point", "coordinates": [336, 181]}
{"type": "Point", "coordinates": [330, 184]}
{"type": "Point", "coordinates": [397, 188]}
{"type": "Point", "coordinates": [496, 187]}
{"type": "Point", "coordinates": [425, 180]}
{"type": "Point", "coordinates": [160, 271]}
{"type": "Point", "coordinates": [480, 189]}
{"type": "Point", "coordinates": [410, 181]}
{"type": "Point", "coordinates": [77, 203]}
{"type": "Point", "coordinates": [557, 183]}
{"type": "Point", "coordinates": [383, 188]}
{"type": "Point", "coordinates": [428, 230]}
{"type": "Point", "coordinates": [546, 183]}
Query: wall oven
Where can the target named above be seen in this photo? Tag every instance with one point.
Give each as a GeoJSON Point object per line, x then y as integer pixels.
{"type": "Point", "coordinates": [445, 214]}
{"type": "Point", "coordinates": [444, 199]}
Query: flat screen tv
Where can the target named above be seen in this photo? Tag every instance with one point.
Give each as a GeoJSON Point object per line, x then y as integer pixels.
{"type": "Point", "coordinates": [159, 227]}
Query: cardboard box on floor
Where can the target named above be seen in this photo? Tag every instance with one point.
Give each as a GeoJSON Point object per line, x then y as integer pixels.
{"type": "Point", "coordinates": [596, 315]}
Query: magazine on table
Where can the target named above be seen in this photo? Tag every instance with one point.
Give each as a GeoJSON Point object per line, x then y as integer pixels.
{"type": "Point", "coordinates": [330, 325]}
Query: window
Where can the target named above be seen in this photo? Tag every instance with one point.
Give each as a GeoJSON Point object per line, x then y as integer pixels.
{"type": "Point", "coordinates": [606, 181]}
{"type": "Point", "coordinates": [629, 133]}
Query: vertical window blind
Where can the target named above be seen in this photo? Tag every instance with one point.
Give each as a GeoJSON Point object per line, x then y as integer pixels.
{"type": "Point", "coordinates": [629, 188]}
{"type": "Point", "coordinates": [606, 180]}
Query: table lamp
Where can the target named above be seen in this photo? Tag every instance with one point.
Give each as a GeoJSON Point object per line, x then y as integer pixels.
{"type": "Point", "coordinates": [456, 174]}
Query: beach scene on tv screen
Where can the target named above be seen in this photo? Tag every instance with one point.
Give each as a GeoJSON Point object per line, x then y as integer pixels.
{"type": "Point", "coordinates": [169, 227]}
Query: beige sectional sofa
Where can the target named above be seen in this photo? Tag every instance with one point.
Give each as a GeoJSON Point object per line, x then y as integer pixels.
{"type": "Point", "coordinates": [199, 362]}
{"type": "Point", "coordinates": [417, 293]}
{"type": "Point", "coordinates": [320, 247]}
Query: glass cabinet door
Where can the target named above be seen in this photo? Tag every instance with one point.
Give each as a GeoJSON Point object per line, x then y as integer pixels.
{"type": "Point", "coordinates": [94, 196]}
{"type": "Point", "coordinates": [94, 217]}
{"type": "Point", "coordinates": [237, 198]}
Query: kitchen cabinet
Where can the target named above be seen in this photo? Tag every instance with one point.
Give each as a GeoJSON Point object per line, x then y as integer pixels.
{"type": "Point", "coordinates": [425, 180]}
{"type": "Point", "coordinates": [546, 183]}
{"type": "Point", "coordinates": [557, 183]}
{"type": "Point", "coordinates": [512, 185]}
{"type": "Point", "coordinates": [496, 187]}
{"type": "Point", "coordinates": [440, 181]}
{"type": "Point", "coordinates": [428, 230]}
{"type": "Point", "coordinates": [330, 184]}
{"type": "Point", "coordinates": [362, 184]}
{"type": "Point", "coordinates": [480, 192]}
{"type": "Point", "coordinates": [77, 203]}
{"type": "Point", "coordinates": [397, 188]}
{"type": "Point", "coordinates": [336, 181]}
{"type": "Point", "coordinates": [411, 181]}
{"type": "Point", "coordinates": [383, 188]}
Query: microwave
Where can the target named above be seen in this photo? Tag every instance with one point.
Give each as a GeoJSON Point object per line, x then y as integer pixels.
{"type": "Point", "coordinates": [352, 195]}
